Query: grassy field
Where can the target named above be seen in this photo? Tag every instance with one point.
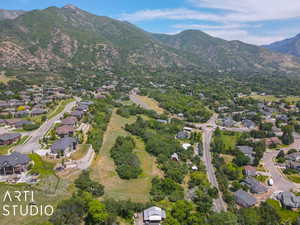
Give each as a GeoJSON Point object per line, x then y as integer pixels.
{"type": "Point", "coordinates": [81, 152]}
{"type": "Point", "coordinates": [227, 158]}
{"type": "Point", "coordinates": [103, 168]}
{"type": "Point", "coordinates": [41, 167]}
{"type": "Point", "coordinates": [151, 103]}
{"type": "Point", "coordinates": [287, 216]}
{"type": "Point", "coordinates": [229, 141]}
{"type": "Point", "coordinates": [294, 177]}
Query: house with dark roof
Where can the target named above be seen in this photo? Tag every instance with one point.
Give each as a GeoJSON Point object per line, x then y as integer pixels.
{"type": "Point", "coordinates": [78, 114]}
{"type": "Point", "coordinates": [22, 123]}
{"type": "Point", "coordinates": [64, 146]}
{"type": "Point", "coordinates": [14, 163]}
{"type": "Point", "coordinates": [248, 123]}
{"type": "Point", "coordinates": [183, 135]}
{"type": "Point", "coordinates": [293, 156]}
{"type": "Point", "coordinates": [22, 113]}
{"type": "Point", "coordinates": [38, 111]}
{"type": "Point", "coordinates": [9, 138]}
{"type": "Point", "coordinates": [254, 185]}
{"type": "Point", "coordinates": [244, 199]}
{"type": "Point", "coordinates": [154, 215]}
{"type": "Point", "coordinates": [289, 200]}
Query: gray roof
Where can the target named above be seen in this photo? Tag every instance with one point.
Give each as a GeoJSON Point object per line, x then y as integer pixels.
{"type": "Point", "coordinates": [248, 123]}
{"type": "Point", "coordinates": [293, 156]}
{"type": "Point", "coordinates": [247, 150]}
{"type": "Point", "coordinates": [183, 135]}
{"type": "Point", "coordinates": [254, 185]}
{"type": "Point", "coordinates": [154, 211]}
{"type": "Point", "coordinates": [288, 199]}
{"type": "Point", "coordinates": [62, 144]}
{"type": "Point", "coordinates": [13, 159]}
{"type": "Point", "coordinates": [244, 199]}
{"type": "Point", "coordinates": [9, 136]}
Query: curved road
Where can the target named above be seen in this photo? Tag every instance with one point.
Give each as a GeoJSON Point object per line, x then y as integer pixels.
{"type": "Point", "coordinates": [33, 144]}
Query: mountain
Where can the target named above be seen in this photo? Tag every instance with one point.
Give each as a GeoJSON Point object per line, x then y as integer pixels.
{"type": "Point", "coordinates": [228, 55]}
{"type": "Point", "coordinates": [288, 46]}
{"type": "Point", "coordinates": [10, 14]}
{"type": "Point", "coordinates": [54, 39]}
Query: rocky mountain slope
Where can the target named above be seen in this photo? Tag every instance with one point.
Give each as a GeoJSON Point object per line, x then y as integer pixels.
{"type": "Point", "coordinates": [58, 38]}
{"type": "Point", "coordinates": [288, 46]}
{"type": "Point", "coordinates": [10, 14]}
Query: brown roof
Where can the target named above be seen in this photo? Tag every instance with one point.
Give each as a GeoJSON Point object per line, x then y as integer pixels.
{"type": "Point", "coordinates": [66, 129]}
{"type": "Point", "coordinates": [71, 120]}
{"type": "Point", "coordinates": [250, 168]}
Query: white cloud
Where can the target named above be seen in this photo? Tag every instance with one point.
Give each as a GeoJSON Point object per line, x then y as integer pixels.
{"type": "Point", "coordinates": [215, 27]}
{"type": "Point", "coordinates": [243, 35]}
{"type": "Point", "coordinates": [253, 10]}
{"type": "Point", "coordinates": [174, 14]}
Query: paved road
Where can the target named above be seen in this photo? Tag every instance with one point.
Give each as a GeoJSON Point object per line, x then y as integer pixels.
{"type": "Point", "coordinates": [208, 130]}
{"type": "Point", "coordinates": [87, 160]}
{"type": "Point", "coordinates": [33, 143]}
{"type": "Point", "coordinates": [281, 183]}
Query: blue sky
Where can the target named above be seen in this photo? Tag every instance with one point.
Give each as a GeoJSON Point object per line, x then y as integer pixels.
{"type": "Point", "coordinates": [251, 21]}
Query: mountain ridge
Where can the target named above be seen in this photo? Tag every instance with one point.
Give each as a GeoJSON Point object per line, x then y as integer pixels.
{"type": "Point", "coordinates": [55, 38]}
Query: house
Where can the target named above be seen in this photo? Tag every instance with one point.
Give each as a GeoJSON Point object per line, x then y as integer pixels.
{"type": "Point", "coordinates": [14, 163]}
{"type": "Point", "coordinates": [78, 114]}
{"type": "Point", "coordinates": [65, 130]}
{"type": "Point", "coordinates": [247, 151]}
{"type": "Point", "coordinates": [254, 185]}
{"type": "Point", "coordinates": [71, 121]}
{"type": "Point", "coordinates": [175, 156]}
{"type": "Point", "coordinates": [188, 129]}
{"type": "Point", "coordinates": [293, 156]}
{"type": "Point", "coordinates": [183, 135]}
{"type": "Point", "coordinates": [250, 171]}
{"type": "Point", "coordinates": [273, 141]}
{"type": "Point", "coordinates": [64, 145]}
{"type": "Point", "coordinates": [154, 215]}
{"type": "Point", "coordinates": [38, 111]}
{"type": "Point", "coordinates": [282, 117]}
{"type": "Point", "coordinates": [22, 123]}
{"type": "Point", "coordinates": [162, 121]}
{"type": "Point", "coordinates": [22, 113]}
{"type": "Point", "coordinates": [289, 200]}
{"type": "Point", "coordinates": [228, 122]}
{"type": "Point", "coordinates": [9, 138]}
{"type": "Point", "coordinates": [248, 123]}
{"type": "Point", "coordinates": [244, 199]}
{"type": "Point", "coordinates": [293, 165]}
{"type": "Point", "coordinates": [83, 108]}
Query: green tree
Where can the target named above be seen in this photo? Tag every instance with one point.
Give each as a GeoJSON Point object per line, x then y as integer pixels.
{"type": "Point", "coordinates": [97, 213]}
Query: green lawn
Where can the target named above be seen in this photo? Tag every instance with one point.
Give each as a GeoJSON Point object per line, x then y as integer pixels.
{"type": "Point", "coordinates": [294, 177]}
{"type": "Point", "coordinates": [287, 216]}
{"type": "Point", "coordinates": [230, 141]}
{"type": "Point", "coordinates": [59, 108]}
{"type": "Point", "coordinates": [41, 167]}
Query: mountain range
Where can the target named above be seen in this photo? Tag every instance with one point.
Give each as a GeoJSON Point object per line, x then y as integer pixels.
{"type": "Point", "coordinates": [288, 46]}
{"type": "Point", "coordinates": [57, 38]}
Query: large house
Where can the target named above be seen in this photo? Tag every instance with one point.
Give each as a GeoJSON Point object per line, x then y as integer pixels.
{"type": "Point", "coordinates": [244, 199]}
{"type": "Point", "coordinates": [71, 121]}
{"type": "Point", "coordinates": [65, 130]}
{"type": "Point", "coordinates": [255, 186]}
{"type": "Point", "coordinates": [154, 215]}
{"type": "Point", "coordinates": [64, 146]}
{"type": "Point", "coordinates": [15, 163]}
{"type": "Point", "coordinates": [9, 138]}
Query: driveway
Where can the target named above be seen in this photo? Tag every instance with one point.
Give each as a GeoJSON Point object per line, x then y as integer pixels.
{"type": "Point", "coordinates": [33, 144]}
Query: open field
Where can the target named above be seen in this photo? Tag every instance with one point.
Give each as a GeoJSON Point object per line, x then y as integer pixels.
{"type": "Point", "coordinates": [227, 158]}
{"type": "Point", "coordinates": [229, 141]}
{"type": "Point", "coordinates": [287, 216]}
{"type": "Point", "coordinates": [103, 168]}
{"type": "Point", "coordinates": [151, 103]}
